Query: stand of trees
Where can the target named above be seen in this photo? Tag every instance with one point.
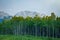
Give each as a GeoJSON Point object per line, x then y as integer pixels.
{"type": "Point", "coordinates": [38, 26]}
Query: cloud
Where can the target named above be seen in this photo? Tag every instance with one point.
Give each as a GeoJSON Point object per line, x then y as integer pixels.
{"type": "Point", "coordinates": [42, 6]}
{"type": "Point", "coordinates": [56, 7]}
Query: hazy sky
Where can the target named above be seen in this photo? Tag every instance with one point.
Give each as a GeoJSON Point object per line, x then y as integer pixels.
{"type": "Point", "coordinates": [41, 6]}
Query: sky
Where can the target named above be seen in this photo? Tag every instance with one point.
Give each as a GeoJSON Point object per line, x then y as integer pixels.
{"type": "Point", "coordinates": [41, 6]}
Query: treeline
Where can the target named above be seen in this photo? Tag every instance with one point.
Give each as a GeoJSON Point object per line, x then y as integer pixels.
{"type": "Point", "coordinates": [37, 26]}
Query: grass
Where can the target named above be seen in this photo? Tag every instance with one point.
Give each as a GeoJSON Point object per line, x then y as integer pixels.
{"type": "Point", "coordinates": [25, 37]}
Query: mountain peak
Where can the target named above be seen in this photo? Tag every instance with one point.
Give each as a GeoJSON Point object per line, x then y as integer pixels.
{"type": "Point", "coordinates": [27, 13]}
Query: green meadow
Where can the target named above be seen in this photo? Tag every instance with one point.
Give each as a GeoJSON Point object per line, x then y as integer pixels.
{"type": "Point", "coordinates": [25, 37]}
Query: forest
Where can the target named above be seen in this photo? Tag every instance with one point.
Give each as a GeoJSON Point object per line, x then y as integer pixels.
{"type": "Point", "coordinates": [35, 26]}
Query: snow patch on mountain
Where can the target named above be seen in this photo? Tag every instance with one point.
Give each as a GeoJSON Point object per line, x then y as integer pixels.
{"type": "Point", "coordinates": [27, 13]}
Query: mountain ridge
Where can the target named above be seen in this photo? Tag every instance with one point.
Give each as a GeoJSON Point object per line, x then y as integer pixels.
{"type": "Point", "coordinates": [27, 13]}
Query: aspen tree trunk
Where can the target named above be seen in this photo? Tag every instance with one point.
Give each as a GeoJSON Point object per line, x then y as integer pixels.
{"type": "Point", "coordinates": [36, 30]}
{"type": "Point", "coordinates": [47, 31]}
{"type": "Point", "coordinates": [56, 31]}
{"type": "Point", "coordinates": [25, 28]}
{"type": "Point", "coordinates": [53, 29]}
{"type": "Point", "coordinates": [40, 31]}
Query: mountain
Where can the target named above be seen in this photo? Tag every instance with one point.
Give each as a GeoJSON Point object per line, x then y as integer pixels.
{"type": "Point", "coordinates": [4, 15]}
{"type": "Point", "coordinates": [27, 13]}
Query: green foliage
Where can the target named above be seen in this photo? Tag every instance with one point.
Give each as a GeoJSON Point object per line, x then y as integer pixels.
{"type": "Point", "coordinates": [29, 25]}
